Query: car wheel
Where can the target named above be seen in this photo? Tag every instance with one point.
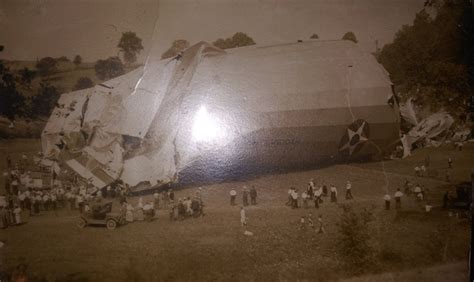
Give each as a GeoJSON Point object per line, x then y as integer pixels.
{"type": "Point", "coordinates": [111, 224]}
{"type": "Point", "coordinates": [81, 223]}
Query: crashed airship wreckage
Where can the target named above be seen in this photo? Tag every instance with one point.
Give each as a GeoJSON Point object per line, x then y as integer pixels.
{"type": "Point", "coordinates": [209, 110]}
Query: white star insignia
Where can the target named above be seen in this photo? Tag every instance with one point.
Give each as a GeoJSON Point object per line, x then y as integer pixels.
{"type": "Point", "coordinates": [355, 138]}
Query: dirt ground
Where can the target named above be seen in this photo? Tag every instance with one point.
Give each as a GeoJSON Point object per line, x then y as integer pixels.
{"type": "Point", "coordinates": [409, 244]}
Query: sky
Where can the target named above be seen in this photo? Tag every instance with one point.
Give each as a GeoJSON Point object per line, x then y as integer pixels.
{"type": "Point", "coordinates": [33, 29]}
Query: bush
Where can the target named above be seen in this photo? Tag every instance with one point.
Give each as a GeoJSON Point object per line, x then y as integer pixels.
{"type": "Point", "coordinates": [354, 245]}
{"type": "Point", "coordinates": [109, 68]}
{"type": "Point", "coordinates": [83, 83]}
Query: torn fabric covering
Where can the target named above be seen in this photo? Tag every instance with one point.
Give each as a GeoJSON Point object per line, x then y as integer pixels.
{"type": "Point", "coordinates": [433, 127]}
{"type": "Point", "coordinates": [107, 149]}
{"type": "Point", "coordinates": [65, 119]}
{"type": "Point", "coordinates": [408, 113]}
{"type": "Point", "coordinates": [88, 168]}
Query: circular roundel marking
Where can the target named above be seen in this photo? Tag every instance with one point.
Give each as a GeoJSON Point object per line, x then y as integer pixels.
{"type": "Point", "coordinates": [356, 134]}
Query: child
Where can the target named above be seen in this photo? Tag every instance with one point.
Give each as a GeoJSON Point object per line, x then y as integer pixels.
{"type": "Point", "coordinates": [310, 221]}
{"type": "Point", "coordinates": [302, 223]}
{"type": "Point", "coordinates": [321, 227]}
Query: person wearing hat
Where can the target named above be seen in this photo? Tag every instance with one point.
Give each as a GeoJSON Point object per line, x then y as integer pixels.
{"type": "Point", "coordinates": [233, 195]}
{"type": "Point", "coordinates": [311, 188]}
{"type": "Point", "coordinates": [294, 198]}
{"type": "Point", "coordinates": [333, 190]}
{"type": "Point", "coordinates": [317, 197]}
{"type": "Point", "coordinates": [387, 199]}
{"type": "Point", "coordinates": [398, 199]}
{"type": "Point", "coordinates": [348, 191]}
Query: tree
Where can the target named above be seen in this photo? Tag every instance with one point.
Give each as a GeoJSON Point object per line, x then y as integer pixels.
{"type": "Point", "coordinates": [350, 36]}
{"type": "Point", "coordinates": [130, 45]}
{"type": "Point", "coordinates": [12, 103]}
{"type": "Point", "coordinates": [45, 100]}
{"type": "Point", "coordinates": [83, 83]}
{"type": "Point", "coordinates": [109, 68]}
{"type": "Point", "coordinates": [176, 47]}
{"type": "Point", "coordinates": [429, 60]}
{"type": "Point", "coordinates": [314, 36]}
{"type": "Point", "coordinates": [46, 66]}
{"type": "Point", "coordinates": [354, 245]}
{"type": "Point", "coordinates": [239, 39]}
{"type": "Point", "coordinates": [77, 60]}
{"type": "Point", "coordinates": [27, 76]}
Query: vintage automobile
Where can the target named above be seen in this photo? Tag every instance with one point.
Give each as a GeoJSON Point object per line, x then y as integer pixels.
{"type": "Point", "coordinates": [102, 215]}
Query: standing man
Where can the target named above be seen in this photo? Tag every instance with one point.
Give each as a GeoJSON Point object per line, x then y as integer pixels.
{"type": "Point", "coordinates": [317, 197]}
{"type": "Point", "coordinates": [232, 194]}
{"type": "Point", "coordinates": [387, 199]}
{"type": "Point", "coordinates": [450, 162]}
{"type": "Point", "coordinates": [333, 190]}
{"type": "Point", "coordinates": [418, 194]}
{"type": "Point", "coordinates": [290, 199]}
{"type": "Point", "coordinates": [325, 190]}
{"type": "Point", "coordinates": [245, 196]}
{"type": "Point", "coordinates": [398, 199]}
{"type": "Point", "coordinates": [305, 197]}
{"type": "Point", "coordinates": [311, 188]}
{"type": "Point", "coordinates": [348, 191]}
{"type": "Point", "coordinates": [417, 171]}
{"type": "Point", "coordinates": [294, 199]}
{"type": "Point", "coordinates": [253, 195]}
{"type": "Point", "coordinates": [423, 170]}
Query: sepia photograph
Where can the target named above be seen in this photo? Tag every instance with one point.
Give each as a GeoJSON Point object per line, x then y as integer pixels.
{"type": "Point", "coordinates": [236, 140]}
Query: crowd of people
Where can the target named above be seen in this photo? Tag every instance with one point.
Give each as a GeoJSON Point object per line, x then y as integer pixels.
{"type": "Point", "coordinates": [22, 195]}
{"type": "Point", "coordinates": [315, 193]}
{"type": "Point", "coordinates": [246, 195]}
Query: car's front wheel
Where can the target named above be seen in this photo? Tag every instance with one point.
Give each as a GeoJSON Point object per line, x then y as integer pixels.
{"type": "Point", "coordinates": [111, 224]}
{"type": "Point", "coordinates": [81, 223]}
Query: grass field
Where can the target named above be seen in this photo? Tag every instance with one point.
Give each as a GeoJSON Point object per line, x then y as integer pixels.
{"type": "Point", "coordinates": [409, 245]}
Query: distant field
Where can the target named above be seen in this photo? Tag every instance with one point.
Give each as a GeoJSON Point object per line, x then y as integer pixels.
{"type": "Point", "coordinates": [64, 78]}
{"type": "Point", "coordinates": [410, 245]}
